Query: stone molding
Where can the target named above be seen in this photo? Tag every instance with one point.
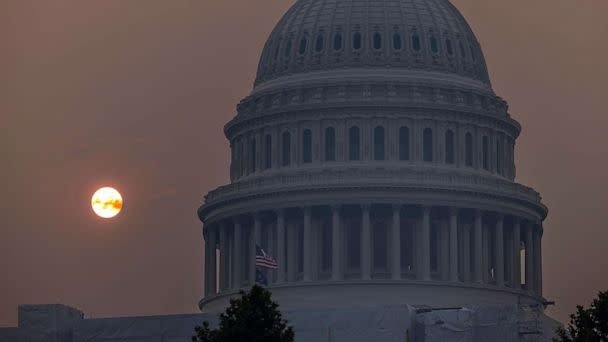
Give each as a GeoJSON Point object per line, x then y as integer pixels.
{"type": "Point", "coordinates": [370, 98]}
{"type": "Point", "coordinates": [357, 178]}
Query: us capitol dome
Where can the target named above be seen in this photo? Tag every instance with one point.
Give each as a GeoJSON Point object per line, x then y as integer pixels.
{"type": "Point", "coordinates": [373, 161]}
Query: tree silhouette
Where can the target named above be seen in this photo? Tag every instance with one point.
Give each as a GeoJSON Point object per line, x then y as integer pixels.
{"type": "Point", "coordinates": [587, 325]}
{"type": "Point", "coordinates": [252, 318]}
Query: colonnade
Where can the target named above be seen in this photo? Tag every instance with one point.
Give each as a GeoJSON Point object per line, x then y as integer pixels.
{"type": "Point", "coordinates": [376, 242]}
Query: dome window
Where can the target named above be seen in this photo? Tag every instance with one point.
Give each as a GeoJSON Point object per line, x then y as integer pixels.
{"type": "Point", "coordinates": [468, 149]}
{"type": "Point", "coordinates": [449, 147]}
{"type": "Point", "coordinates": [404, 143]}
{"type": "Point", "coordinates": [338, 41]}
{"type": "Point", "coordinates": [286, 146]}
{"type": "Point", "coordinates": [434, 44]}
{"type": "Point", "coordinates": [396, 41]}
{"type": "Point", "coordinates": [277, 51]}
{"type": "Point", "coordinates": [377, 41]}
{"type": "Point", "coordinates": [416, 42]}
{"type": "Point", "coordinates": [268, 151]}
{"type": "Point", "coordinates": [427, 145]}
{"type": "Point", "coordinates": [288, 49]}
{"type": "Point", "coordinates": [449, 48]}
{"type": "Point", "coordinates": [379, 149]}
{"type": "Point", "coordinates": [485, 153]}
{"type": "Point", "coordinates": [303, 46]}
{"type": "Point", "coordinates": [357, 41]}
{"type": "Point", "coordinates": [463, 53]}
{"type": "Point", "coordinates": [330, 144]}
{"type": "Point", "coordinates": [252, 156]}
{"type": "Point", "coordinates": [319, 43]}
{"type": "Point", "coordinates": [307, 146]}
{"type": "Point", "coordinates": [472, 52]}
{"type": "Point", "coordinates": [354, 145]}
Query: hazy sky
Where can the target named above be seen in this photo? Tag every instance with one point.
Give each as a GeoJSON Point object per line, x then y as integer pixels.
{"type": "Point", "coordinates": [134, 94]}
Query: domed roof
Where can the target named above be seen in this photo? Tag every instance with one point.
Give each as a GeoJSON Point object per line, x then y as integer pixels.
{"type": "Point", "coordinates": [316, 35]}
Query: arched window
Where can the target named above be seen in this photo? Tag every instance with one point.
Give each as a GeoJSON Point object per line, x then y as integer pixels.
{"type": "Point", "coordinates": [379, 143]}
{"type": "Point", "coordinates": [354, 143]}
{"type": "Point", "coordinates": [416, 42]}
{"type": "Point", "coordinates": [499, 157]}
{"type": "Point", "coordinates": [338, 41]}
{"type": "Point", "coordinates": [286, 146]}
{"type": "Point", "coordinates": [377, 41]}
{"type": "Point", "coordinates": [319, 43]}
{"type": "Point", "coordinates": [288, 49]}
{"type": "Point", "coordinates": [268, 151]}
{"type": "Point", "coordinates": [396, 41]}
{"type": "Point", "coordinates": [330, 144]}
{"type": "Point", "coordinates": [468, 149]}
{"type": "Point", "coordinates": [357, 41]}
{"type": "Point", "coordinates": [472, 53]}
{"type": "Point", "coordinates": [427, 145]}
{"type": "Point", "coordinates": [449, 48]}
{"type": "Point", "coordinates": [252, 156]}
{"type": "Point", "coordinates": [463, 53]}
{"type": "Point", "coordinates": [434, 44]}
{"type": "Point", "coordinates": [277, 51]}
{"type": "Point", "coordinates": [449, 147]}
{"type": "Point", "coordinates": [485, 153]}
{"type": "Point", "coordinates": [303, 45]}
{"type": "Point", "coordinates": [307, 146]}
{"type": "Point", "coordinates": [404, 143]}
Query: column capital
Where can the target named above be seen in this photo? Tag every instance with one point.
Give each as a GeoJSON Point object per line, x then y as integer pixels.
{"type": "Point", "coordinates": [366, 206]}
{"type": "Point", "coordinates": [397, 207]}
{"type": "Point", "coordinates": [516, 220]}
{"type": "Point", "coordinates": [500, 216]}
{"type": "Point", "coordinates": [335, 207]}
{"type": "Point", "coordinates": [426, 209]}
{"type": "Point", "coordinates": [454, 211]}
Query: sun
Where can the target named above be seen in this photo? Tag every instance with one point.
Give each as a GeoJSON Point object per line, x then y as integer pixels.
{"type": "Point", "coordinates": [106, 202]}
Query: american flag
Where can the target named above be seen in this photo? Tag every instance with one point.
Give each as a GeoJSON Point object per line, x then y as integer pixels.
{"type": "Point", "coordinates": [264, 260]}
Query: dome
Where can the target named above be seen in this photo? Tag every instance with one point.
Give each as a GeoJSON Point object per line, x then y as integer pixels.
{"type": "Point", "coordinates": [317, 35]}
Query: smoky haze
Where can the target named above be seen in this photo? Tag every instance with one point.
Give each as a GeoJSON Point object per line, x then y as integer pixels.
{"type": "Point", "coordinates": [134, 95]}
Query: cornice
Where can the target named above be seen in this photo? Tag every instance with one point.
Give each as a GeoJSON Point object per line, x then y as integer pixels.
{"type": "Point", "coordinates": [285, 184]}
{"type": "Point", "coordinates": [372, 98]}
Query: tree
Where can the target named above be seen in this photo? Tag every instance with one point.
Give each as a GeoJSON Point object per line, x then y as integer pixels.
{"type": "Point", "coordinates": [587, 325]}
{"type": "Point", "coordinates": [253, 317]}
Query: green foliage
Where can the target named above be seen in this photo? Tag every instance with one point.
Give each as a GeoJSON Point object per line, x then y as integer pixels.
{"type": "Point", "coordinates": [587, 325]}
{"type": "Point", "coordinates": [252, 318]}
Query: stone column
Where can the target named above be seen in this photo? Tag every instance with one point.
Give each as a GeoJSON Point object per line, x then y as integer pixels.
{"type": "Point", "coordinates": [213, 262]}
{"type": "Point", "coordinates": [453, 244]}
{"type": "Point", "coordinates": [207, 264]}
{"type": "Point", "coordinates": [281, 258]}
{"type": "Point", "coordinates": [443, 249]}
{"type": "Point", "coordinates": [292, 262]}
{"type": "Point", "coordinates": [396, 244]}
{"type": "Point", "coordinates": [537, 260]}
{"type": "Point", "coordinates": [516, 269]}
{"type": "Point", "coordinates": [478, 250]}
{"type": "Point", "coordinates": [237, 260]}
{"type": "Point", "coordinates": [307, 244]}
{"type": "Point", "coordinates": [224, 262]}
{"type": "Point", "coordinates": [466, 253]}
{"type": "Point", "coordinates": [499, 251]}
{"type": "Point", "coordinates": [529, 258]}
{"type": "Point", "coordinates": [425, 239]}
{"type": "Point", "coordinates": [336, 250]}
{"type": "Point", "coordinates": [365, 243]}
{"type": "Point", "coordinates": [255, 240]}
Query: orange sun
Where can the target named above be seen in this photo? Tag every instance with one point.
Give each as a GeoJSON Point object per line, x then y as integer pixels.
{"type": "Point", "coordinates": [106, 202]}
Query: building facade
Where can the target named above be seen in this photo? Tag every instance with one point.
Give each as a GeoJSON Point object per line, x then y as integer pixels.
{"type": "Point", "coordinates": [374, 161]}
